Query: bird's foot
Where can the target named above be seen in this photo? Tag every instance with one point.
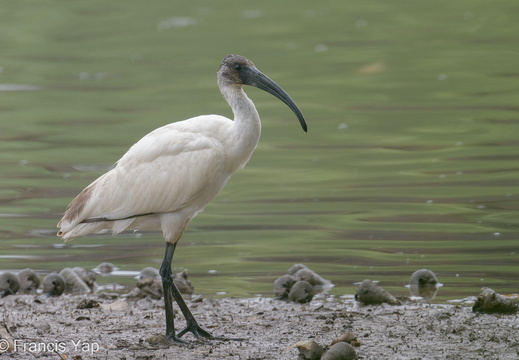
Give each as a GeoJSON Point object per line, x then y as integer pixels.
{"type": "Point", "coordinates": [197, 331]}
{"type": "Point", "coordinates": [202, 334]}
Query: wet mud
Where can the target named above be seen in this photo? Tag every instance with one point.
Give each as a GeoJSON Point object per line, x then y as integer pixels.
{"type": "Point", "coordinates": [115, 328]}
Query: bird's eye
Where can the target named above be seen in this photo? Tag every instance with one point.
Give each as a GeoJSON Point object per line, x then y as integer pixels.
{"type": "Point", "coordinates": [237, 67]}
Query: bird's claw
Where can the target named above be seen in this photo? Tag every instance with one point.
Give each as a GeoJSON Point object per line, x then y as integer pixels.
{"type": "Point", "coordinates": [197, 331]}
{"type": "Point", "coordinates": [202, 334]}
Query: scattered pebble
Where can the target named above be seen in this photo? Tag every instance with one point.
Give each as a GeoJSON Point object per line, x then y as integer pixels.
{"type": "Point", "coordinates": [314, 279]}
{"type": "Point", "coordinates": [424, 284]}
{"type": "Point", "coordinates": [340, 351]}
{"type": "Point", "coordinates": [489, 301]}
{"type": "Point", "coordinates": [79, 281]}
{"type": "Point", "coordinates": [9, 284]}
{"type": "Point", "coordinates": [347, 337]}
{"type": "Point", "coordinates": [150, 284]}
{"type": "Point", "coordinates": [147, 287]}
{"type": "Point", "coordinates": [183, 284]}
{"type": "Point", "coordinates": [73, 283]}
{"type": "Point", "coordinates": [423, 277]}
{"type": "Point", "coordinates": [88, 304]}
{"type": "Point", "coordinates": [53, 284]}
{"type": "Point", "coordinates": [370, 293]}
{"type": "Point", "coordinates": [28, 280]}
{"type": "Point", "coordinates": [88, 277]}
{"type": "Point", "coordinates": [308, 350]}
{"type": "Point", "coordinates": [117, 305]}
{"type": "Point", "coordinates": [301, 292]}
{"type": "Point", "coordinates": [283, 285]}
{"type": "Point", "coordinates": [295, 268]}
{"type": "Point", "coordinates": [158, 340]}
{"type": "Point", "coordinates": [300, 284]}
{"type": "Point", "coordinates": [149, 273]}
{"type": "Point", "coordinates": [105, 268]}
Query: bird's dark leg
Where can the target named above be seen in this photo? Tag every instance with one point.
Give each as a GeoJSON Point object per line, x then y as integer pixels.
{"type": "Point", "coordinates": [167, 284]}
{"type": "Point", "coordinates": [170, 290]}
{"type": "Point", "coordinates": [192, 325]}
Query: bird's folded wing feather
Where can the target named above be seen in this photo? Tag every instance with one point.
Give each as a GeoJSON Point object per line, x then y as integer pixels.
{"type": "Point", "coordinates": [155, 176]}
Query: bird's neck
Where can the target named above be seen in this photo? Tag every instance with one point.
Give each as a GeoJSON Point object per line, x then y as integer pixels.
{"type": "Point", "coordinates": [247, 124]}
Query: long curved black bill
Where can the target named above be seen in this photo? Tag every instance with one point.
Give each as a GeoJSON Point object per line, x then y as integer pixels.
{"type": "Point", "coordinates": [256, 78]}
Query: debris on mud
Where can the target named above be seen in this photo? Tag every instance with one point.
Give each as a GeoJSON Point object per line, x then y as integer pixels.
{"type": "Point", "coordinates": [370, 293]}
{"type": "Point", "coordinates": [300, 285]}
{"type": "Point", "coordinates": [488, 301]}
{"type": "Point", "coordinates": [113, 326]}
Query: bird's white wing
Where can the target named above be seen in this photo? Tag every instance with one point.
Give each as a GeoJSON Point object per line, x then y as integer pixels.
{"type": "Point", "coordinates": [166, 170]}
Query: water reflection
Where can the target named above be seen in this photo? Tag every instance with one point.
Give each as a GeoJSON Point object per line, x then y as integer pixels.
{"type": "Point", "coordinates": [427, 292]}
{"type": "Point", "coordinates": [18, 87]}
{"type": "Point", "coordinates": [26, 257]}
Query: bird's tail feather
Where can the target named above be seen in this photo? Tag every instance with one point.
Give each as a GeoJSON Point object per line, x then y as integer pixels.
{"type": "Point", "coordinates": [98, 227]}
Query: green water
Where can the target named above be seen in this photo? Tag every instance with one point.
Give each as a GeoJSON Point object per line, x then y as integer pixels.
{"type": "Point", "coordinates": [411, 160]}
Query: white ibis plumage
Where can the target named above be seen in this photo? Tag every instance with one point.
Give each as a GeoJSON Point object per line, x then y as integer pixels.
{"type": "Point", "coordinates": [171, 174]}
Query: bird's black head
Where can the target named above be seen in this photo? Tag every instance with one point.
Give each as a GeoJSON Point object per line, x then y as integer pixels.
{"type": "Point", "coordinates": [237, 70]}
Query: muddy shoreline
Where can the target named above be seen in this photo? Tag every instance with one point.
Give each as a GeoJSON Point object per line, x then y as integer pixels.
{"type": "Point", "coordinates": [119, 329]}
